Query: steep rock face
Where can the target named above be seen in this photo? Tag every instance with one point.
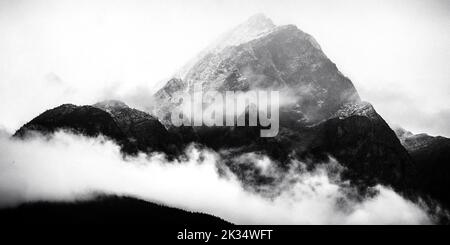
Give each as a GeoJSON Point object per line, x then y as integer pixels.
{"type": "Point", "coordinates": [361, 141]}
{"type": "Point", "coordinates": [249, 30]}
{"type": "Point", "coordinates": [364, 142]}
{"type": "Point", "coordinates": [282, 58]}
{"type": "Point", "coordinates": [252, 28]}
{"type": "Point", "coordinates": [431, 156]}
{"type": "Point", "coordinates": [325, 116]}
{"type": "Point", "coordinates": [163, 99]}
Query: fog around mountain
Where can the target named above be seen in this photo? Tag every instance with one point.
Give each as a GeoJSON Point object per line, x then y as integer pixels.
{"type": "Point", "coordinates": [68, 167]}
{"type": "Point", "coordinates": [54, 52]}
{"type": "Point", "coordinates": [77, 70]}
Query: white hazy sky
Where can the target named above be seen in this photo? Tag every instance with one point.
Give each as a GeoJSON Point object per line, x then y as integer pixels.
{"type": "Point", "coordinates": [396, 52]}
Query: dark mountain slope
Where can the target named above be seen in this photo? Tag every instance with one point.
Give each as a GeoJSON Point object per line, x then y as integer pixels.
{"type": "Point", "coordinates": [133, 130]}
{"type": "Point", "coordinates": [367, 146]}
{"type": "Point", "coordinates": [73, 117]}
{"type": "Point", "coordinates": [140, 128]}
{"type": "Point", "coordinates": [360, 140]}
{"type": "Point", "coordinates": [432, 158]}
{"type": "Point", "coordinates": [87, 120]}
{"type": "Point", "coordinates": [104, 210]}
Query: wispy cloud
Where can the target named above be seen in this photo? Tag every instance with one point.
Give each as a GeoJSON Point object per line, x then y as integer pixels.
{"type": "Point", "coordinates": [69, 167]}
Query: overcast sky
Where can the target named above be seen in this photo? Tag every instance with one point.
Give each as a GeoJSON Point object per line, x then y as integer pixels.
{"type": "Point", "coordinates": [396, 52]}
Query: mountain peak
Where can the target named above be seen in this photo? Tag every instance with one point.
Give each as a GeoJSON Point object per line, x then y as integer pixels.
{"type": "Point", "coordinates": [110, 104]}
{"type": "Point", "coordinates": [252, 28]}
{"type": "Point", "coordinates": [259, 55]}
{"type": "Point", "coordinates": [259, 19]}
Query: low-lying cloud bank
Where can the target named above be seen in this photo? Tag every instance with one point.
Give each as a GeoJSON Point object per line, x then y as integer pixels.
{"type": "Point", "coordinates": [70, 167]}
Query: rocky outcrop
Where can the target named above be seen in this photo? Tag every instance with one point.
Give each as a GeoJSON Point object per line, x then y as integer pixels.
{"type": "Point", "coordinates": [132, 129]}
{"type": "Point", "coordinates": [87, 120]}
{"type": "Point", "coordinates": [141, 129]}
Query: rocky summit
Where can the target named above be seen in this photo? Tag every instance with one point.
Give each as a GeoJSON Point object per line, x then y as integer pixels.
{"type": "Point", "coordinates": [282, 58]}
{"type": "Point", "coordinates": [325, 116]}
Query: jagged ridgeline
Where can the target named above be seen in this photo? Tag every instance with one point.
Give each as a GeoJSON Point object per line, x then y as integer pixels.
{"type": "Point", "coordinates": [324, 117]}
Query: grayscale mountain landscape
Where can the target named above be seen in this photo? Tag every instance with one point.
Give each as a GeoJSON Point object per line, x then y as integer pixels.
{"type": "Point", "coordinates": [335, 159]}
